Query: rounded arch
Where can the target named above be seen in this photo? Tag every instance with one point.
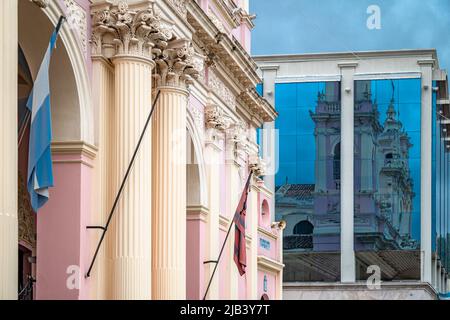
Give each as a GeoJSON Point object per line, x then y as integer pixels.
{"type": "Point", "coordinates": [195, 155]}
{"type": "Point", "coordinates": [265, 213]}
{"type": "Point", "coordinates": [72, 112]}
{"type": "Point", "coordinates": [304, 228]}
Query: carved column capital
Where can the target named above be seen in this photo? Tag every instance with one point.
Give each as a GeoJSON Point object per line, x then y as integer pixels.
{"type": "Point", "coordinates": [237, 143]}
{"type": "Point", "coordinates": [257, 165]}
{"type": "Point", "coordinates": [121, 30]}
{"type": "Point", "coordinates": [216, 124]}
{"type": "Point", "coordinates": [215, 118]}
{"type": "Point", "coordinates": [178, 64]}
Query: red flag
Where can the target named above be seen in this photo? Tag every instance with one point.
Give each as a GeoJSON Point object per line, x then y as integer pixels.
{"type": "Point", "coordinates": [240, 246]}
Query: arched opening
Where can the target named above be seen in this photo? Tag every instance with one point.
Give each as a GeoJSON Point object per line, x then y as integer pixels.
{"type": "Point", "coordinates": [196, 216]}
{"type": "Point", "coordinates": [304, 228]}
{"type": "Point", "coordinates": [53, 233]}
{"type": "Point", "coordinates": [265, 213]}
{"type": "Point", "coordinates": [304, 232]}
{"type": "Point", "coordinates": [193, 194]}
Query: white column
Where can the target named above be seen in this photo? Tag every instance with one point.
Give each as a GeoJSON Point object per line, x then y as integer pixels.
{"type": "Point", "coordinates": [8, 146]}
{"type": "Point", "coordinates": [269, 139]}
{"type": "Point", "coordinates": [425, 172]}
{"type": "Point", "coordinates": [175, 69]}
{"type": "Point", "coordinates": [348, 274]}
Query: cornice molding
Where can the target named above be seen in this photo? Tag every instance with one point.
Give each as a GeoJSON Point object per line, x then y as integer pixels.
{"type": "Point", "coordinates": [269, 264]}
{"type": "Point", "coordinates": [74, 148]}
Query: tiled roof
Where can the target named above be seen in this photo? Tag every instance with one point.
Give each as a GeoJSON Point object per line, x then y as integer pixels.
{"type": "Point", "coordinates": [300, 191]}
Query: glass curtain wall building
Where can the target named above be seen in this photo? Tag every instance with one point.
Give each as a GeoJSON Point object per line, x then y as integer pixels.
{"type": "Point", "coordinates": [372, 201]}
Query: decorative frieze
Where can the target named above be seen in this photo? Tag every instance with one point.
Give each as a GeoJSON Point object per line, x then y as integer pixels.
{"type": "Point", "coordinates": [221, 90]}
{"type": "Point", "coordinates": [216, 21]}
{"type": "Point", "coordinates": [198, 116]}
{"type": "Point", "coordinates": [77, 20]}
{"type": "Point", "coordinates": [120, 30]}
{"type": "Point", "coordinates": [180, 7]}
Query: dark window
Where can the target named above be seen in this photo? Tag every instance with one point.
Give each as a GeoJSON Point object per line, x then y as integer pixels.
{"type": "Point", "coordinates": [304, 228]}
{"type": "Point", "coordinates": [337, 162]}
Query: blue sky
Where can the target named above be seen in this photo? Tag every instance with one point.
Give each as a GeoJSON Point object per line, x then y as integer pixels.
{"type": "Point", "coordinates": [306, 26]}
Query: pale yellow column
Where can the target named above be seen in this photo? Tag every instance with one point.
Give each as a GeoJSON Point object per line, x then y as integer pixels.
{"type": "Point", "coordinates": [175, 72]}
{"type": "Point", "coordinates": [131, 247]}
{"type": "Point", "coordinates": [169, 195]}
{"type": "Point", "coordinates": [103, 94]}
{"type": "Point", "coordinates": [8, 147]}
{"type": "Point", "coordinates": [129, 35]}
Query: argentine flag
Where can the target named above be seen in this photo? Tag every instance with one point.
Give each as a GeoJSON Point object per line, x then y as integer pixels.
{"type": "Point", "coordinates": [40, 175]}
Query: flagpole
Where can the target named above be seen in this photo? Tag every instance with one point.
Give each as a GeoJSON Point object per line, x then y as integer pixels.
{"type": "Point", "coordinates": [221, 252]}
{"type": "Point", "coordinates": [122, 186]}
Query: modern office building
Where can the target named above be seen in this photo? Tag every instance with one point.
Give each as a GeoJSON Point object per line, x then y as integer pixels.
{"type": "Point", "coordinates": [111, 60]}
{"type": "Point", "coordinates": [363, 172]}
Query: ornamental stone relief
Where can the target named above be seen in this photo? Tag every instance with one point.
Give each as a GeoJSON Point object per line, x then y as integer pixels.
{"type": "Point", "coordinates": [177, 64]}
{"type": "Point", "coordinates": [197, 116]}
{"type": "Point", "coordinates": [221, 90]}
{"type": "Point", "coordinates": [180, 7]}
{"type": "Point", "coordinates": [77, 19]}
{"type": "Point", "coordinates": [237, 143]}
{"type": "Point", "coordinates": [120, 30]}
{"type": "Point", "coordinates": [216, 21]}
{"type": "Point", "coordinates": [215, 118]}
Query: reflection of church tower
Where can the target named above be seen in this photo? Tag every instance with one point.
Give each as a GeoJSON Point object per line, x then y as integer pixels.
{"type": "Point", "coordinates": [382, 183]}
{"type": "Point", "coordinates": [327, 119]}
{"type": "Point", "coordinates": [395, 192]}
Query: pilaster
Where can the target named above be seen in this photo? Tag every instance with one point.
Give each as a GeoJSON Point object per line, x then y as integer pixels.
{"type": "Point", "coordinates": [8, 146]}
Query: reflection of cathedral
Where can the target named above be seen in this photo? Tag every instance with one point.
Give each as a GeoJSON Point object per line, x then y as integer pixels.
{"type": "Point", "coordinates": [383, 186]}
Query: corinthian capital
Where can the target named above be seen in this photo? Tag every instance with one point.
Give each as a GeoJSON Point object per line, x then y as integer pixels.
{"type": "Point", "coordinates": [122, 30]}
{"type": "Point", "coordinates": [178, 64]}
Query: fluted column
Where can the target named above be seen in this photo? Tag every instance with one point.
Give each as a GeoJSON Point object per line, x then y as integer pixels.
{"type": "Point", "coordinates": [175, 69]}
{"type": "Point", "coordinates": [103, 91]}
{"type": "Point", "coordinates": [8, 148]}
{"type": "Point", "coordinates": [130, 36]}
{"type": "Point", "coordinates": [131, 256]}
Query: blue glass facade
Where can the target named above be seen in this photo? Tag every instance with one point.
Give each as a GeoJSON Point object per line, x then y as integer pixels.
{"type": "Point", "coordinates": [387, 177]}
{"type": "Point", "coordinates": [441, 188]}
{"type": "Point", "coordinates": [308, 179]}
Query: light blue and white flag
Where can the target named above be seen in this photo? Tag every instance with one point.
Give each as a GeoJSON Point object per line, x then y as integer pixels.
{"type": "Point", "coordinates": [40, 169]}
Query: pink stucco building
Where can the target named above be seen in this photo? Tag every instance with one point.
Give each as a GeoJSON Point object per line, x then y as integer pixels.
{"type": "Point", "coordinates": [112, 59]}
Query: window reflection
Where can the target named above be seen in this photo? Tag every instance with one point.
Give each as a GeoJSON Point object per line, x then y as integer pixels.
{"type": "Point", "coordinates": [387, 177]}
{"type": "Point", "coordinates": [308, 180]}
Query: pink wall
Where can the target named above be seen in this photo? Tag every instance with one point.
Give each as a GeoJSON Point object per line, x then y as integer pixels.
{"type": "Point", "coordinates": [271, 284]}
{"type": "Point", "coordinates": [61, 230]}
{"type": "Point", "coordinates": [195, 256]}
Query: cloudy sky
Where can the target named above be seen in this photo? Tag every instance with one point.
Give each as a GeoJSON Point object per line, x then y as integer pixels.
{"type": "Point", "coordinates": [306, 26]}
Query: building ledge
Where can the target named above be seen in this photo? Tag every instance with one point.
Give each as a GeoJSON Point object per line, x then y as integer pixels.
{"type": "Point", "coordinates": [401, 290]}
